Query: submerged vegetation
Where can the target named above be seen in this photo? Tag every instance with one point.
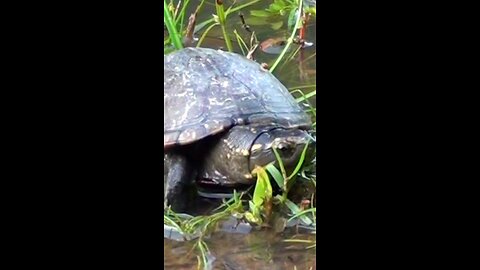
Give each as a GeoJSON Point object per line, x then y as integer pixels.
{"type": "Point", "coordinates": [267, 206]}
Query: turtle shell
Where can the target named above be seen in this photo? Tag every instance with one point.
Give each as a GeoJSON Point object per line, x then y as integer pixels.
{"type": "Point", "coordinates": [208, 91]}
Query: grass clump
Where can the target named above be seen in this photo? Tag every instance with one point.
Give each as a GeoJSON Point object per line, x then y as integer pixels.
{"type": "Point", "coordinates": [171, 26]}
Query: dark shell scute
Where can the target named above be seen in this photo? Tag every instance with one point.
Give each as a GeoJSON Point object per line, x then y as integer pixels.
{"type": "Point", "coordinates": [208, 91]}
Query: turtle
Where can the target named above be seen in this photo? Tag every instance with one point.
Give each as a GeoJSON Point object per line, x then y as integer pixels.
{"type": "Point", "coordinates": [223, 114]}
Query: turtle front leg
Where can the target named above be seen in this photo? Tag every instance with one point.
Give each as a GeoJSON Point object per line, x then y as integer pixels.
{"type": "Point", "coordinates": [178, 177]}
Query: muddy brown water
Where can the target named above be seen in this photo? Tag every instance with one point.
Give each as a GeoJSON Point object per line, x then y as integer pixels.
{"type": "Point", "coordinates": [259, 249]}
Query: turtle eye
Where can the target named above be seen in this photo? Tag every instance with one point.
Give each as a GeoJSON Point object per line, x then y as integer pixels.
{"type": "Point", "coordinates": [284, 149]}
{"type": "Point", "coordinates": [282, 146]}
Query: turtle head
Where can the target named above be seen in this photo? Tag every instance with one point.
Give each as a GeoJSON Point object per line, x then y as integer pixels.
{"type": "Point", "coordinates": [289, 144]}
{"type": "Point", "coordinates": [236, 154]}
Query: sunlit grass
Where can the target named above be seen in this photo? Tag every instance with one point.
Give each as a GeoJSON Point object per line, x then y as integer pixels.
{"type": "Point", "coordinates": [222, 20]}
{"type": "Point", "coordinates": [171, 26]}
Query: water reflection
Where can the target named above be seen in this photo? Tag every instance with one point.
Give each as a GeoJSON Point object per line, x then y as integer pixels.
{"type": "Point", "coordinates": [257, 250]}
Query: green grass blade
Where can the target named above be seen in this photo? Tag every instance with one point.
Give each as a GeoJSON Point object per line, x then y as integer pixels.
{"type": "Point", "coordinates": [300, 162]}
{"type": "Point", "coordinates": [205, 34]}
{"type": "Point", "coordinates": [307, 96]}
{"type": "Point", "coordinates": [290, 40]}
{"type": "Point", "coordinates": [310, 210]}
{"type": "Point", "coordinates": [263, 188]}
{"type": "Point", "coordinates": [222, 18]}
{"type": "Point", "coordinates": [172, 31]}
{"type": "Point", "coordinates": [241, 43]}
{"type": "Point", "coordinates": [280, 164]}
{"type": "Point", "coordinates": [276, 174]}
{"type": "Point", "coordinates": [302, 87]}
{"type": "Point", "coordinates": [295, 210]}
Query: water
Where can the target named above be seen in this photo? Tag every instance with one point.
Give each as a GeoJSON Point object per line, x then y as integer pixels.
{"type": "Point", "coordinates": [259, 249]}
{"type": "Point", "coordinates": [299, 71]}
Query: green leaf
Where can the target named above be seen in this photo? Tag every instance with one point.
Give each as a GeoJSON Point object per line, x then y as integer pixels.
{"type": "Point", "coordinates": [251, 206]}
{"type": "Point", "coordinates": [310, 210]}
{"type": "Point", "coordinates": [252, 21]}
{"type": "Point", "coordinates": [312, 10]}
{"type": "Point", "coordinates": [263, 188]}
{"type": "Point", "coordinates": [260, 13]}
{"type": "Point", "coordinates": [277, 25]}
{"type": "Point", "coordinates": [295, 210]}
{"type": "Point", "coordinates": [252, 218]}
{"type": "Point", "coordinates": [275, 7]}
{"type": "Point", "coordinates": [281, 3]}
{"type": "Point", "coordinates": [276, 174]}
{"type": "Point", "coordinates": [259, 192]}
{"type": "Point", "coordinates": [292, 18]}
{"type": "Point", "coordinates": [215, 18]}
{"type": "Point", "coordinates": [300, 162]}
